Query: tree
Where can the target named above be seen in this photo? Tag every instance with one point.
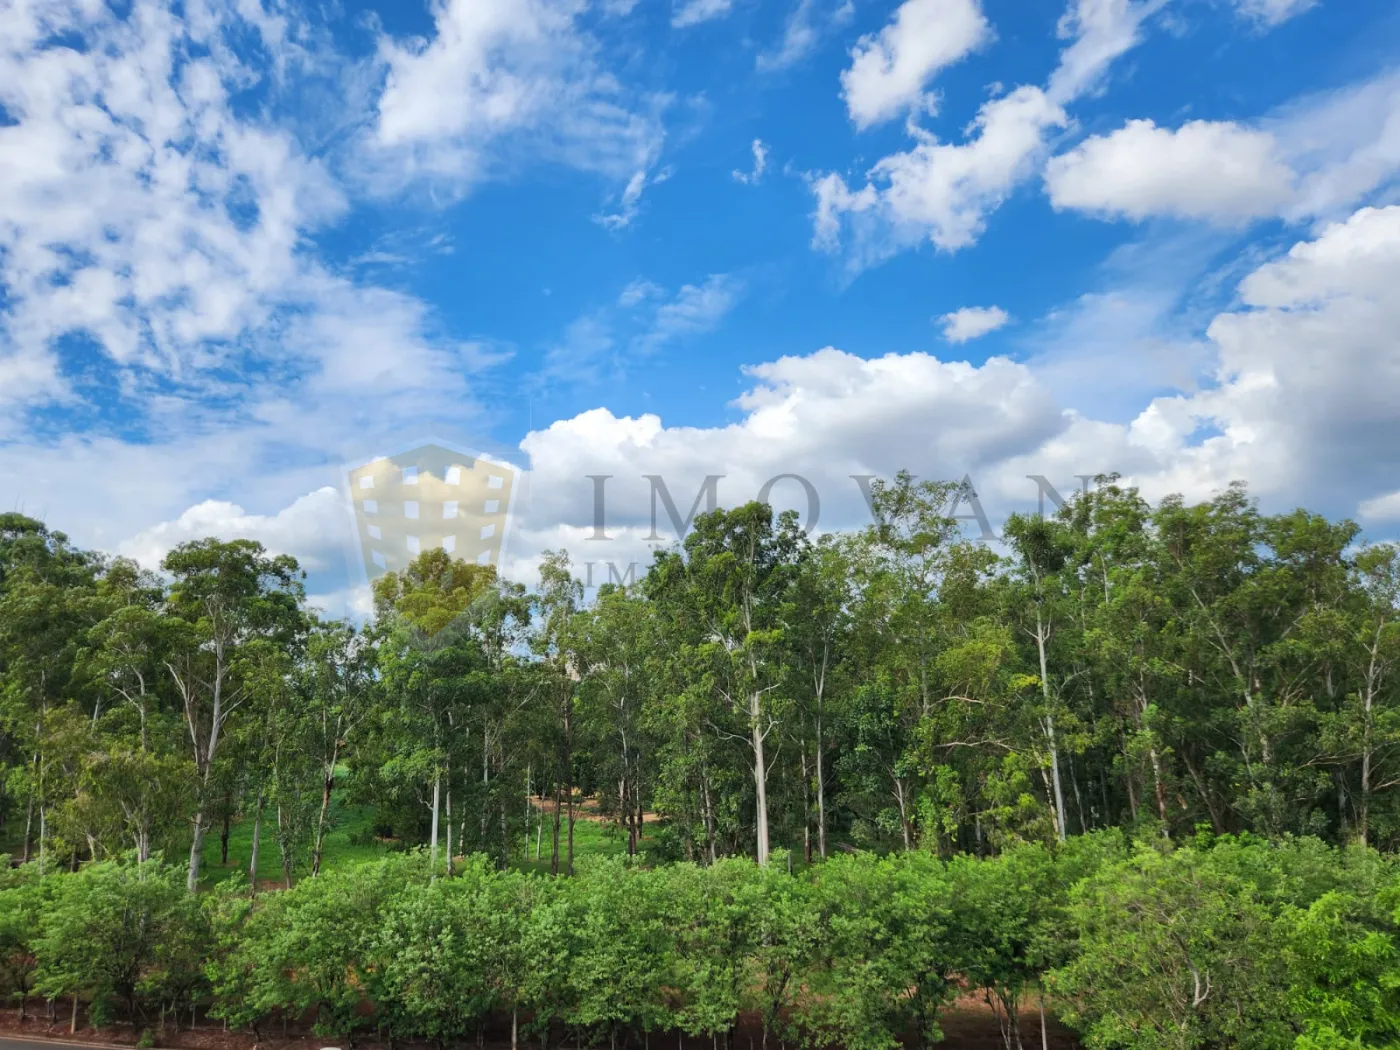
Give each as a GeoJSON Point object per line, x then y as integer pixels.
{"type": "Point", "coordinates": [233, 603]}
{"type": "Point", "coordinates": [731, 580]}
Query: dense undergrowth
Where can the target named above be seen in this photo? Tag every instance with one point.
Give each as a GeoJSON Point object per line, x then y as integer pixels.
{"type": "Point", "coordinates": [1219, 942]}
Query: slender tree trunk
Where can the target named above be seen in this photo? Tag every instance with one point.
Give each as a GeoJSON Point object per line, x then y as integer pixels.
{"type": "Point", "coordinates": [899, 797]}
{"type": "Point", "coordinates": [760, 777]}
{"type": "Point", "coordinates": [569, 767]}
{"type": "Point", "coordinates": [485, 783]}
{"type": "Point", "coordinates": [806, 809]}
{"type": "Point", "coordinates": [1159, 786]}
{"type": "Point", "coordinates": [284, 839]}
{"type": "Point", "coordinates": [257, 837]}
{"type": "Point", "coordinates": [571, 826]}
{"type": "Point", "coordinates": [821, 788]}
{"type": "Point", "coordinates": [1363, 810]}
{"type": "Point", "coordinates": [448, 814]}
{"type": "Point", "coordinates": [437, 796]}
{"type": "Point", "coordinates": [1041, 636]}
{"type": "Point", "coordinates": [505, 838]}
{"type": "Point", "coordinates": [196, 851]}
{"type": "Point", "coordinates": [29, 823]}
{"type": "Point", "coordinates": [558, 810]}
{"type": "Point", "coordinates": [223, 832]}
{"type": "Point", "coordinates": [707, 804]}
{"type": "Point", "coordinates": [327, 785]}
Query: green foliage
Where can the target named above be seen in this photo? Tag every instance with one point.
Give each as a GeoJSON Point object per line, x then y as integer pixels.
{"type": "Point", "coordinates": [123, 935]}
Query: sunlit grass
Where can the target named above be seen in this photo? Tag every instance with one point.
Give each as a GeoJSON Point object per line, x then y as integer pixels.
{"type": "Point", "coordinates": [346, 843]}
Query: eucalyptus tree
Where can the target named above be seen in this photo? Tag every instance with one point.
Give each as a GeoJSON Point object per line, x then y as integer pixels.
{"type": "Point", "coordinates": [1243, 590]}
{"type": "Point", "coordinates": [336, 694]}
{"type": "Point", "coordinates": [816, 619]}
{"type": "Point", "coordinates": [235, 608]}
{"type": "Point", "coordinates": [731, 579]}
{"type": "Point", "coordinates": [1366, 729]}
{"type": "Point", "coordinates": [47, 599]}
{"type": "Point", "coordinates": [555, 642]}
{"type": "Point", "coordinates": [618, 647]}
{"type": "Point", "coordinates": [1037, 601]}
{"type": "Point", "coordinates": [429, 659]}
{"type": "Point", "coordinates": [897, 629]}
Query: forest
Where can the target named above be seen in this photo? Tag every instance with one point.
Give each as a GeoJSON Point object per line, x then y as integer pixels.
{"type": "Point", "coordinates": [1134, 764]}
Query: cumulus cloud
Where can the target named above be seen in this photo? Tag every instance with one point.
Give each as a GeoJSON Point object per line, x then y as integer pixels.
{"type": "Point", "coordinates": [942, 192]}
{"type": "Point", "coordinates": [890, 69]}
{"type": "Point", "coordinates": [314, 530]}
{"type": "Point", "coordinates": [141, 214]}
{"type": "Point", "coordinates": [136, 211]}
{"type": "Point", "coordinates": [1297, 402]}
{"type": "Point", "coordinates": [937, 191]}
{"type": "Point", "coordinates": [973, 322]}
{"type": "Point", "coordinates": [1219, 171]}
{"type": "Point", "coordinates": [161, 235]}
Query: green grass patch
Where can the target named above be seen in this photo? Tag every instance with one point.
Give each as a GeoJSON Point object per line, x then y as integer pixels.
{"type": "Point", "coordinates": [591, 839]}
{"type": "Point", "coordinates": [347, 842]}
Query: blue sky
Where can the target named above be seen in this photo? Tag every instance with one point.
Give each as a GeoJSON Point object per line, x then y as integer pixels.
{"type": "Point", "coordinates": [243, 242]}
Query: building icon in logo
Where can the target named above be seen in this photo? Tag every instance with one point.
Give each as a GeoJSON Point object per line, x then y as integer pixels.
{"type": "Point", "coordinates": [431, 496]}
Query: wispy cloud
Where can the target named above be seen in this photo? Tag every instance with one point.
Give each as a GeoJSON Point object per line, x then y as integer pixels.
{"type": "Point", "coordinates": [760, 164]}
{"type": "Point", "coordinates": [803, 31]}
{"type": "Point", "coordinates": [694, 12]}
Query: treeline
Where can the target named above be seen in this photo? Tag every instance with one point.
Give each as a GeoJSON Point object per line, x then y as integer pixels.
{"type": "Point", "coordinates": [1114, 665]}
{"type": "Point", "coordinates": [1217, 942]}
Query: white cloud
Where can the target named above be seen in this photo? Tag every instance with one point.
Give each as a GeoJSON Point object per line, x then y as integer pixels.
{"type": "Point", "coordinates": [628, 204]}
{"type": "Point", "coordinates": [500, 79]}
{"type": "Point", "coordinates": [1379, 509]}
{"type": "Point", "coordinates": [135, 209]}
{"type": "Point", "coordinates": [937, 191]}
{"type": "Point", "coordinates": [942, 192]}
{"type": "Point", "coordinates": [314, 529]}
{"type": "Point", "coordinates": [141, 214]}
{"type": "Point", "coordinates": [1100, 32]}
{"type": "Point", "coordinates": [1269, 13]}
{"type": "Point", "coordinates": [694, 310]}
{"type": "Point", "coordinates": [1218, 171]}
{"type": "Point", "coordinates": [693, 12]}
{"type": "Point", "coordinates": [638, 291]}
{"type": "Point", "coordinates": [1298, 402]}
{"type": "Point", "coordinates": [1316, 158]}
{"type": "Point", "coordinates": [889, 70]}
{"type": "Point", "coordinates": [1344, 143]}
{"type": "Point", "coordinates": [603, 342]}
{"type": "Point", "coordinates": [803, 31]}
{"type": "Point", "coordinates": [973, 322]}
{"type": "Point", "coordinates": [164, 237]}
{"type": "Point", "coordinates": [760, 164]}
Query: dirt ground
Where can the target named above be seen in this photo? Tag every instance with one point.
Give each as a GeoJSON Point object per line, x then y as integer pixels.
{"type": "Point", "coordinates": [967, 1025]}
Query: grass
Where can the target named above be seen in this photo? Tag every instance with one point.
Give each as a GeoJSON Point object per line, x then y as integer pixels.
{"type": "Point", "coordinates": [592, 838]}
{"type": "Point", "coordinates": [348, 842]}
{"type": "Point", "coordinates": [347, 822]}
